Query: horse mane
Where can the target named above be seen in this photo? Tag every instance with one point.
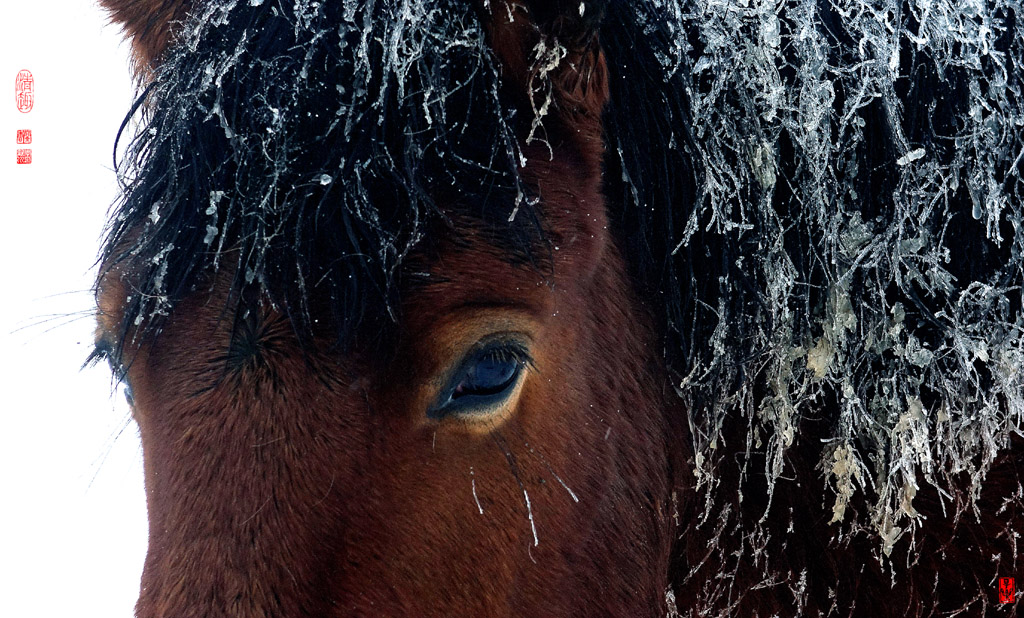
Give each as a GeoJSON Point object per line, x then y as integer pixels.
{"type": "Point", "coordinates": [823, 202]}
{"type": "Point", "coordinates": [303, 146]}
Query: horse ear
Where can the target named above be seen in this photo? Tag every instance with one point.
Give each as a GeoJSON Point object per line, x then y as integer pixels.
{"type": "Point", "coordinates": [148, 24]}
{"type": "Point", "coordinates": [552, 58]}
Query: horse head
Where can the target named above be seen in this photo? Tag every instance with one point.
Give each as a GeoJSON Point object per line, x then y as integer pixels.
{"type": "Point", "coordinates": [551, 308]}
{"type": "Point", "coordinates": [462, 431]}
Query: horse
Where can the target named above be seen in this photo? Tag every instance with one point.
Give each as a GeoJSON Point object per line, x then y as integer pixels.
{"type": "Point", "coordinates": [573, 308]}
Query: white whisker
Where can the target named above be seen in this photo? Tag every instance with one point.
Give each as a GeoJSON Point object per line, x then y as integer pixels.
{"type": "Point", "coordinates": [472, 481]}
{"type": "Point", "coordinates": [529, 513]}
{"type": "Point", "coordinates": [547, 465]}
{"type": "Point", "coordinates": [562, 483]}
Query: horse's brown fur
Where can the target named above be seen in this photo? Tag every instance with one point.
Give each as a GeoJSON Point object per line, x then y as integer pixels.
{"type": "Point", "coordinates": [295, 483]}
{"type": "Point", "coordinates": [274, 492]}
{"type": "Point", "coordinates": [149, 25]}
{"type": "Point", "coordinates": [268, 488]}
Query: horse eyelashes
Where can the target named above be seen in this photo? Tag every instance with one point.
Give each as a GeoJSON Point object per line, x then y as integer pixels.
{"type": "Point", "coordinates": [104, 351]}
{"type": "Point", "coordinates": [483, 382]}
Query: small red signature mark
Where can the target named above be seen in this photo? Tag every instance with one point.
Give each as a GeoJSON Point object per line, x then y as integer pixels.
{"type": "Point", "coordinates": [25, 91]}
{"type": "Point", "coordinates": [24, 156]}
{"type": "Point", "coordinates": [1007, 590]}
{"type": "Point", "coordinates": [24, 136]}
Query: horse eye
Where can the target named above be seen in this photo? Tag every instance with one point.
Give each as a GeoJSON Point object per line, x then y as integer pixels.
{"type": "Point", "coordinates": [484, 381]}
{"type": "Point", "coordinates": [489, 375]}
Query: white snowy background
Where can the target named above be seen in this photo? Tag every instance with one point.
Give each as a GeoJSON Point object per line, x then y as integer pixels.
{"type": "Point", "coordinates": [72, 507]}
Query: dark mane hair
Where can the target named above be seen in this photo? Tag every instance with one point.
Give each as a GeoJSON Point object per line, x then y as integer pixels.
{"type": "Point", "coordinates": [826, 215]}
{"type": "Point", "coordinates": [304, 145]}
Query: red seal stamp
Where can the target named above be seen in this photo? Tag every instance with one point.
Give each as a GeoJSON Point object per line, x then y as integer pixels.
{"type": "Point", "coordinates": [24, 156]}
{"type": "Point", "coordinates": [1007, 590]}
{"type": "Point", "coordinates": [24, 136]}
{"type": "Point", "coordinates": [25, 91]}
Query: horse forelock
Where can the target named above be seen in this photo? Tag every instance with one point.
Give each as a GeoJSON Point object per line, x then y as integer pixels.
{"type": "Point", "coordinates": [309, 148]}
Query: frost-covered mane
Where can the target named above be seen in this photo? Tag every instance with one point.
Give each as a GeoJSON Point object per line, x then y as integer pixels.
{"type": "Point", "coordinates": [825, 199]}
{"type": "Point", "coordinates": [306, 146]}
